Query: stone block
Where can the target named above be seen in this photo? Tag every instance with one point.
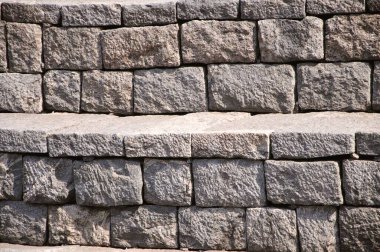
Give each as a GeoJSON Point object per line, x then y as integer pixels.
{"type": "Point", "coordinates": [376, 86]}
{"type": "Point", "coordinates": [10, 176]}
{"type": "Point", "coordinates": [368, 143]}
{"type": "Point", "coordinates": [272, 9]}
{"type": "Point", "coordinates": [207, 9]}
{"type": "Point", "coordinates": [3, 48]}
{"type": "Point", "coordinates": [373, 5]}
{"type": "Point", "coordinates": [90, 14]}
{"type": "Point", "coordinates": [152, 13]}
{"type": "Point", "coordinates": [324, 7]}
{"type": "Point", "coordinates": [31, 12]}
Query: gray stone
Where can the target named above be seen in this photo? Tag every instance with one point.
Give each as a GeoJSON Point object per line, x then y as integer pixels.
{"type": "Point", "coordinates": [207, 9]}
{"type": "Point", "coordinates": [359, 229]}
{"type": "Point", "coordinates": [152, 13]}
{"type": "Point", "coordinates": [108, 182]}
{"type": "Point", "coordinates": [48, 180]}
{"type": "Point", "coordinates": [62, 90]}
{"type": "Point", "coordinates": [170, 90]}
{"type": "Point", "coordinates": [144, 227]}
{"type": "Point", "coordinates": [72, 48]}
{"type": "Point", "coordinates": [167, 182]}
{"type": "Point", "coordinates": [323, 7]}
{"type": "Point", "coordinates": [376, 86]}
{"type": "Point", "coordinates": [271, 229]}
{"type": "Point", "coordinates": [352, 37]}
{"type": "Point", "coordinates": [229, 183]}
{"type": "Point", "coordinates": [3, 47]}
{"type": "Point", "coordinates": [212, 228]}
{"type": "Point", "coordinates": [368, 143]}
{"type": "Point", "coordinates": [303, 183]}
{"type": "Point", "coordinates": [20, 92]}
{"type": "Point", "coordinates": [22, 223]}
{"type": "Point", "coordinates": [252, 88]}
{"type": "Point", "coordinates": [153, 46]}
{"type": "Point", "coordinates": [291, 40]}
{"type": "Point", "coordinates": [31, 12]}
{"type": "Point", "coordinates": [318, 229]}
{"type": "Point", "coordinates": [373, 5]}
{"type": "Point", "coordinates": [10, 176]}
{"type": "Point", "coordinates": [91, 14]}
{"type": "Point", "coordinates": [107, 92]}
{"type": "Point", "coordinates": [218, 42]}
{"type": "Point", "coordinates": [67, 248]}
{"type": "Point", "coordinates": [334, 86]}
{"type": "Point", "coordinates": [269, 9]}
{"type": "Point", "coordinates": [73, 224]}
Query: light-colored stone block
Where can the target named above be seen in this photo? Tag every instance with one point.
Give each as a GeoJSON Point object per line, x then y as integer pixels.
{"type": "Point", "coordinates": [149, 13]}
{"type": "Point", "coordinates": [207, 9]}
{"type": "Point", "coordinates": [324, 7]}
{"type": "Point", "coordinates": [91, 14]}
{"type": "Point", "coordinates": [272, 9]}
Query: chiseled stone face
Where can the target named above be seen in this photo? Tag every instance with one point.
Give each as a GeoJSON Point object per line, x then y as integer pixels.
{"type": "Point", "coordinates": [373, 5]}
{"type": "Point", "coordinates": [376, 86]}
{"type": "Point", "coordinates": [3, 47]}
{"type": "Point", "coordinates": [91, 14]}
{"type": "Point", "coordinates": [207, 9]}
{"type": "Point", "coordinates": [269, 9]}
{"type": "Point", "coordinates": [322, 7]}
{"type": "Point", "coordinates": [368, 143]}
{"type": "Point", "coordinates": [141, 14]}
{"type": "Point", "coordinates": [23, 12]}
{"type": "Point", "coordinates": [10, 176]}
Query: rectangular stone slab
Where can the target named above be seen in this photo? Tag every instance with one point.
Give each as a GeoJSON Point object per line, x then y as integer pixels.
{"type": "Point", "coordinates": [91, 14]}
{"type": "Point", "coordinates": [272, 9]}
{"type": "Point", "coordinates": [207, 9]}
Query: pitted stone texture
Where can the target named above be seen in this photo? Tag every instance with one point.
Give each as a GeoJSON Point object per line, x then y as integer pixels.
{"type": "Point", "coordinates": [376, 86]}
{"type": "Point", "coordinates": [20, 92]}
{"type": "Point", "coordinates": [218, 42]}
{"type": "Point", "coordinates": [62, 90]}
{"type": "Point", "coordinates": [352, 37]}
{"type": "Point", "coordinates": [3, 47]}
{"type": "Point", "coordinates": [269, 9]}
{"type": "Point", "coordinates": [73, 224]}
{"type": "Point", "coordinates": [107, 92]}
{"type": "Point", "coordinates": [373, 5]}
{"type": "Point", "coordinates": [108, 182]}
{"type": "Point", "coordinates": [291, 40]}
{"type": "Point", "coordinates": [170, 90]}
{"type": "Point", "coordinates": [150, 13]}
{"type": "Point", "coordinates": [144, 227]}
{"type": "Point", "coordinates": [252, 88]}
{"type": "Point", "coordinates": [22, 223]}
{"type": "Point", "coordinates": [229, 183]}
{"type": "Point", "coordinates": [10, 176]}
{"type": "Point", "coordinates": [153, 46]}
{"type": "Point", "coordinates": [72, 48]}
{"type": "Point", "coordinates": [207, 9]}
{"type": "Point", "coordinates": [334, 86]}
{"type": "Point", "coordinates": [167, 182]}
{"type": "Point", "coordinates": [368, 143]}
{"type": "Point", "coordinates": [318, 229]}
{"type": "Point", "coordinates": [91, 14]}
{"type": "Point", "coordinates": [361, 182]}
{"type": "Point", "coordinates": [359, 229]}
{"type": "Point", "coordinates": [323, 7]}
{"type": "Point", "coordinates": [31, 12]}
{"type": "Point", "coordinates": [303, 183]}
{"type": "Point", "coordinates": [271, 229]}
{"type": "Point", "coordinates": [212, 228]}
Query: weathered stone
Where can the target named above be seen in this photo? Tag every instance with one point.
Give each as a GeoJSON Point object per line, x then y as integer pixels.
{"type": "Point", "coordinates": [318, 229]}
{"type": "Point", "coordinates": [368, 143]}
{"type": "Point", "coordinates": [20, 92]}
{"type": "Point", "coordinates": [149, 13]}
{"type": "Point", "coordinates": [31, 12]}
{"type": "Point", "coordinates": [10, 176]}
{"type": "Point", "coordinates": [48, 180]}
{"type": "Point", "coordinates": [334, 86]}
{"type": "Point", "coordinates": [271, 229]}
{"type": "Point", "coordinates": [3, 47]}
{"type": "Point", "coordinates": [22, 223]}
{"type": "Point", "coordinates": [269, 9]}
{"type": "Point", "coordinates": [218, 42]}
{"type": "Point", "coordinates": [229, 183]}
{"type": "Point", "coordinates": [359, 229]}
{"type": "Point", "coordinates": [352, 37]}
{"type": "Point", "coordinates": [91, 14]}
{"type": "Point", "coordinates": [373, 5]}
{"type": "Point", "coordinates": [170, 90]}
{"type": "Point", "coordinates": [107, 92]}
{"type": "Point", "coordinates": [144, 227]}
{"type": "Point", "coordinates": [207, 9]}
{"type": "Point", "coordinates": [291, 40]}
{"type": "Point", "coordinates": [252, 88]}
{"type": "Point", "coordinates": [153, 46]}
{"type": "Point", "coordinates": [108, 182]}
{"type": "Point", "coordinates": [211, 228]}
{"type": "Point", "coordinates": [167, 182]}
{"type": "Point", "coordinates": [376, 86]}
{"type": "Point", "coordinates": [303, 183]}
{"type": "Point", "coordinates": [62, 90]}
{"type": "Point", "coordinates": [322, 7]}
{"type": "Point", "coordinates": [72, 48]}
{"type": "Point", "coordinates": [73, 224]}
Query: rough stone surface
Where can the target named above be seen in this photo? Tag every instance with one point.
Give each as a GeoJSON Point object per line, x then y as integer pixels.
{"type": "Point", "coordinates": [22, 223]}
{"type": "Point", "coordinates": [322, 7]}
{"type": "Point", "coordinates": [291, 40]}
{"type": "Point", "coordinates": [373, 5]}
{"type": "Point", "coordinates": [269, 9]}
{"type": "Point", "coordinates": [65, 248]}
{"type": "Point", "coordinates": [212, 228]}
{"type": "Point", "coordinates": [10, 176]}
{"type": "Point", "coordinates": [229, 183]}
{"type": "Point", "coordinates": [91, 15]}
{"type": "Point", "coordinates": [3, 48]}
{"type": "Point", "coordinates": [167, 182]}
{"type": "Point", "coordinates": [20, 92]}
{"type": "Point", "coordinates": [207, 9]}
{"type": "Point", "coordinates": [108, 182]}
{"type": "Point", "coordinates": [368, 143]}
{"type": "Point", "coordinates": [376, 86]}
{"type": "Point", "coordinates": [32, 12]}
{"type": "Point", "coordinates": [62, 90]}
{"type": "Point", "coordinates": [142, 14]}
{"type": "Point", "coordinates": [73, 224]}
{"type": "Point", "coordinates": [334, 86]}
{"type": "Point", "coordinates": [218, 42]}
{"type": "Point", "coordinates": [72, 48]}
{"type": "Point", "coordinates": [144, 227]}
{"type": "Point", "coordinates": [153, 46]}
{"type": "Point", "coordinates": [170, 90]}
{"type": "Point", "coordinates": [318, 229]}
{"type": "Point", "coordinates": [271, 229]}
{"type": "Point", "coordinates": [252, 88]}
{"type": "Point", "coordinates": [303, 183]}
{"type": "Point", "coordinates": [107, 92]}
